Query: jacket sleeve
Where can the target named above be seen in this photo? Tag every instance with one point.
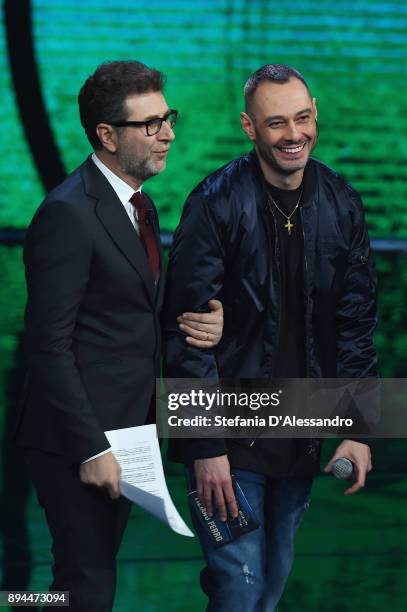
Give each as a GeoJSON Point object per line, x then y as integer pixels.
{"type": "Point", "coordinates": [356, 319]}
{"type": "Point", "coordinates": [356, 316]}
{"type": "Point", "coordinates": [57, 258]}
{"type": "Point", "coordinates": [195, 276]}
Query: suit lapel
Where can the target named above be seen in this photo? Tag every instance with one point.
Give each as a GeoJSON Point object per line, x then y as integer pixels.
{"type": "Point", "coordinates": [116, 222]}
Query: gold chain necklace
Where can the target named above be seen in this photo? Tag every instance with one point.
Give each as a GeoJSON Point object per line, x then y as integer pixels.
{"type": "Point", "coordinates": [288, 225]}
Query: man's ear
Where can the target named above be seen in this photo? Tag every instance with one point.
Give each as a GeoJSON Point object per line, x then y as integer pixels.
{"type": "Point", "coordinates": [248, 125]}
{"type": "Point", "coordinates": [107, 136]}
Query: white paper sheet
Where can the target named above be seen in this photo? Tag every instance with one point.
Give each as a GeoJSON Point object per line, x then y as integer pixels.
{"type": "Point", "coordinates": [143, 481]}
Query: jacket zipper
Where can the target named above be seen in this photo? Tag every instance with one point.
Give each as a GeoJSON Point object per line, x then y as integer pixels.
{"type": "Point", "coordinates": [270, 211]}
{"type": "Point", "coordinates": [276, 253]}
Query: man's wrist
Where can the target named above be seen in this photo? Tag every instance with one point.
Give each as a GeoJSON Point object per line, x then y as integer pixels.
{"type": "Point", "coordinates": [368, 441]}
{"type": "Point", "coordinates": [204, 449]}
{"type": "Point", "coordinates": [98, 455]}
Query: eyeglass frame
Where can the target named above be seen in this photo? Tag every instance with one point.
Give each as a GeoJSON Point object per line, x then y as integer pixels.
{"type": "Point", "coordinates": [146, 124]}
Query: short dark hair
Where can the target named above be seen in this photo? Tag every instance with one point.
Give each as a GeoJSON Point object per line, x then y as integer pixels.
{"type": "Point", "coordinates": [102, 96]}
{"type": "Point", "coordinates": [274, 73]}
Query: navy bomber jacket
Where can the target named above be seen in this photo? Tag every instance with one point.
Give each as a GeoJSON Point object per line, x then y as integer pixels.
{"type": "Point", "coordinates": [225, 247]}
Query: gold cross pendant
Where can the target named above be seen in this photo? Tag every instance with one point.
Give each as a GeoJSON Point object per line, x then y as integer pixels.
{"type": "Point", "coordinates": [289, 226]}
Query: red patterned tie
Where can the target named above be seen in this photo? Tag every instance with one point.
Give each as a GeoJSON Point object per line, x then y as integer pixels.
{"type": "Point", "coordinates": [146, 232]}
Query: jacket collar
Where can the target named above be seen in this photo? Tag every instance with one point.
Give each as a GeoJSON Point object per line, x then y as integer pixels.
{"type": "Point", "coordinates": [113, 216]}
{"type": "Point", "coordinates": [309, 213]}
{"type": "Point", "coordinates": [310, 182]}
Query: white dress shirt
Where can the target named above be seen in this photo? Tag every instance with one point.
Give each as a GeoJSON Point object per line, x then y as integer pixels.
{"type": "Point", "coordinates": [122, 189]}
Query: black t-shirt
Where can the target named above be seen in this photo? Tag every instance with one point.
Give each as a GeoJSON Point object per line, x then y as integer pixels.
{"type": "Point", "coordinates": [281, 456]}
{"type": "Point", "coordinates": [289, 360]}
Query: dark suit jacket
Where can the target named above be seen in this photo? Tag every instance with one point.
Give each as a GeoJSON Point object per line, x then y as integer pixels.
{"type": "Point", "coordinates": [92, 332]}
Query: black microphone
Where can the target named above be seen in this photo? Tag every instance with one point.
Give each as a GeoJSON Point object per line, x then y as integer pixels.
{"type": "Point", "coordinates": [342, 468]}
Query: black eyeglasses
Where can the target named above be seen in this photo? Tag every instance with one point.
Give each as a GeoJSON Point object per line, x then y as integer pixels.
{"type": "Point", "coordinates": [152, 126]}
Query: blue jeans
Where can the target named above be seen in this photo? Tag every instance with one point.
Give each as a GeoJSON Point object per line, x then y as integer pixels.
{"type": "Point", "coordinates": [250, 573]}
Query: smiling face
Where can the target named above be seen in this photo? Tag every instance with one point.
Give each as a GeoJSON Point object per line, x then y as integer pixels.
{"type": "Point", "coordinates": [129, 151]}
{"type": "Point", "coordinates": [282, 125]}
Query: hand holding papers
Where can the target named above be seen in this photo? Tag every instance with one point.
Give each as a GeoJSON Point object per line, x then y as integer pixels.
{"type": "Point", "coordinates": [143, 481]}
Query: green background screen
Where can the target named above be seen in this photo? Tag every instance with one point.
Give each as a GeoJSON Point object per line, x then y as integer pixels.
{"type": "Point", "coordinates": [351, 552]}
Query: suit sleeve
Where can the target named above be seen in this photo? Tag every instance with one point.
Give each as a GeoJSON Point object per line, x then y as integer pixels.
{"type": "Point", "coordinates": [57, 258]}
{"type": "Point", "coordinates": [195, 276]}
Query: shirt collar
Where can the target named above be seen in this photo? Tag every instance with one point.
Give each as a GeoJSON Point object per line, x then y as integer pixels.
{"type": "Point", "coordinates": [122, 189]}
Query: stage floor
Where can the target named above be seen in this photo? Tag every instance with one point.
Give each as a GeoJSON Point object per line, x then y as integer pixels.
{"type": "Point", "coordinates": [350, 553]}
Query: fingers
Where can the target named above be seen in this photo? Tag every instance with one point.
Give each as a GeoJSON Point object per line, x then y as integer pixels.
{"type": "Point", "coordinates": [212, 326]}
{"type": "Point", "coordinates": [113, 490]}
{"type": "Point", "coordinates": [214, 485]}
{"type": "Point", "coordinates": [200, 343]}
{"type": "Point", "coordinates": [360, 456]}
{"type": "Point", "coordinates": [200, 338]}
{"type": "Point", "coordinates": [203, 329]}
{"type": "Point", "coordinates": [197, 317]}
{"type": "Point", "coordinates": [220, 495]}
{"type": "Point", "coordinates": [220, 503]}
{"type": "Point", "coordinates": [231, 499]}
{"type": "Point", "coordinates": [205, 344]}
{"type": "Point", "coordinates": [213, 318]}
{"type": "Point", "coordinates": [224, 499]}
{"type": "Point", "coordinates": [102, 472]}
{"type": "Point", "coordinates": [360, 480]}
{"type": "Point", "coordinates": [363, 465]}
{"type": "Point", "coordinates": [216, 314]}
{"type": "Point", "coordinates": [335, 457]}
{"type": "Point", "coordinates": [215, 305]}
{"type": "Point", "coordinates": [328, 467]}
{"type": "Point", "coordinates": [207, 499]}
{"type": "Point", "coordinates": [340, 453]}
{"type": "Point", "coordinates": [111, 486]}
{"type": "Point", "coordinates": [199, 333]}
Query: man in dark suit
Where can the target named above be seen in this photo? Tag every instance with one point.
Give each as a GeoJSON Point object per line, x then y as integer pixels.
{"type": "Point", "coordinates": [95, 279]}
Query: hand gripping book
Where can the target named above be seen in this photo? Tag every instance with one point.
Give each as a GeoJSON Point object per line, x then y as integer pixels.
{"type": "Point", "coordinates": [216, 532]}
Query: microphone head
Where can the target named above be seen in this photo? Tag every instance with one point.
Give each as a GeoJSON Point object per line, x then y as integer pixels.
{"type": "Point", "coordinates": [342, 469]}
